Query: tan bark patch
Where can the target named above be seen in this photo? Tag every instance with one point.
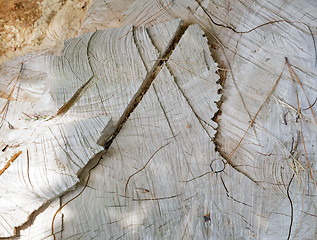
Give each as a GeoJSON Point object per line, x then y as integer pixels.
{"type": "Point", "coordinates": [17, 18]}
{"type": "Point", "coordinates": [34, 25]}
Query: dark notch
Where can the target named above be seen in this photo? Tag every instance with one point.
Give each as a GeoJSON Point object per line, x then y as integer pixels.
{"type": "Point", "coordinates": [151, 75]}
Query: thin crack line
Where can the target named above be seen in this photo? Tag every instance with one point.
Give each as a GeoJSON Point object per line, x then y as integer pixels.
{"type": "Point", "coordinates": [164, 112]}
{"type": "Point", "coordinates": [201, 121]}
{"type": "Point", "coordinates": [131, 106]}
{"type": "Point", "coordinates": [141, 169]}
{"type": "Point", "coordinates": [292, 208]}
{"type": "Point", "coordinates": [147, 69]}
{"type": "Point", "coordinates": [151, 75]}
{"type": "Point", "coordinates": [80, 91]}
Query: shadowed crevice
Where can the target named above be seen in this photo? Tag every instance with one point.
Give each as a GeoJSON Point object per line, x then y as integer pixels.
{"type": "Point", "coordinates": [149, 78]}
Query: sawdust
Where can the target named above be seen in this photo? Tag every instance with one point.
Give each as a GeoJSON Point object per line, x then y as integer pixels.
{"type": "Point", "coordinates": [34, 25]}
{"type": "Point", "coordinates": [17, 19]}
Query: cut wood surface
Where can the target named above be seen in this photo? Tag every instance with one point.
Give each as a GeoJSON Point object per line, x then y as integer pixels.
{"type": "Point", "coordinates": [194, 120]}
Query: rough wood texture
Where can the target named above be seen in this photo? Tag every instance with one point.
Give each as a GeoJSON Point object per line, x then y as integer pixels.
{"type": "Point", "coordinates": [176, 169]}
{"type": "Point", "coordinates": [44, 163]}
{"type": "Point", "coordinates": [278, 152]}
{"type": "Point", "coordinates": [35, 229]}
{"type": "Point", "coordinates": [181, 148]}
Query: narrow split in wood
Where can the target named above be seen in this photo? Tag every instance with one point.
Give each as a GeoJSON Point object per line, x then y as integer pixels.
{"type": "Point", "coordinates": [159, 63]}
{"type": "Point", "coordinates": [15, 156]}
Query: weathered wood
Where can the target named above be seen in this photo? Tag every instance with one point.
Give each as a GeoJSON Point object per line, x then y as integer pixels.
{"type": "Point", "coordinates": [253, 51]}
{"type": "Point", "coordinates": [46, 162]}
{"type": "Point", "coordinates": [172, 171]}
{"type": "Point", "coordinates": [154, 204]}
{"type": "Point", "coordinates": [36, 229]}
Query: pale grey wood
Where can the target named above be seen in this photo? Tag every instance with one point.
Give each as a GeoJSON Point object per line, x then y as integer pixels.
{"type": "Point", "coordinates": [257, 59]}
{"type": "Point", "coordinates": [49, 145]}
{"type": "Point", "coordinates": [234, 206]}
{"type": "Point", "coordinates": [252, 197]}
{"type": "Point", "coordinates": [165, 117]}
{"type": "Point", "coordinates": [104, 14]}
{"type": "Point", "coordinates": [39, 227]}
{"type": "Point", "coordinates": [193, 73]}
{"type": "Point", "coordinates": [161, 11]}
{"type": "Point", "coordinates": [92, 65]}
{"type": "Point", "coordinates": [41, 157]}
{"type": "Point", "coordinates": [49, 159]}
